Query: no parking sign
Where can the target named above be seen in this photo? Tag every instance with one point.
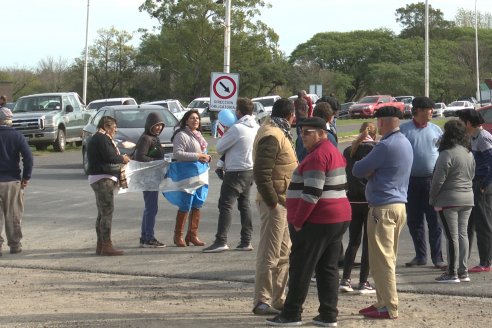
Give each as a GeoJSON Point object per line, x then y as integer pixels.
{"type": "Point", "coordinates": [223, 91]}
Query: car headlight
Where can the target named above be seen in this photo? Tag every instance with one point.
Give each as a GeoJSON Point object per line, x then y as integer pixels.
{"type": "Point", "coordinates": [48, 122]}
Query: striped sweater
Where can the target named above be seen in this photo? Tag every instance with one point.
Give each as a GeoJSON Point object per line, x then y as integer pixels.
{"type": "Point", "coordinates": [317, 192]}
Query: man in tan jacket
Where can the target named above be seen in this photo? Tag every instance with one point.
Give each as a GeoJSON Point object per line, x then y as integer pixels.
{"type": "Point", "coordinates": [274, 161]}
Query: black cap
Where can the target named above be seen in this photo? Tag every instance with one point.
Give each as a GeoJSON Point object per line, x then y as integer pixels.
{"type": "Point", "coordinates": [470, 115]}
{"type": "Point", "coordinates": [422, 102]}
{"type": "Point", "coordinates": [315, 122]}
{"type": "Point", "coordinates": [388, 111]}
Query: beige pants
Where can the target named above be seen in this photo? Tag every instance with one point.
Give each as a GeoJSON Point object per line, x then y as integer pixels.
{"type": "Point", "coordinates": [272, 258]}
{"type": "Point", "coordinates": [384, 224]}
{"type": "Point", "coordinates": [12, 208]}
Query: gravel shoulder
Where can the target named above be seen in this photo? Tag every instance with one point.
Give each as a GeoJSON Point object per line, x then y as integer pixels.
{"type": "Point", "coordinates": [52, 298]}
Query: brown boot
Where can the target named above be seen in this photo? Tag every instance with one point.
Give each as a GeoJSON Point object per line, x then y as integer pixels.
{"type": "Point", "coordinates": [192, 235]}
{"type": "Point", "coordinates": [179, 228]}
{"type": "Point", "coordinates": [107, 249]}
{"type": "Point", "coordinates": [98, 247]}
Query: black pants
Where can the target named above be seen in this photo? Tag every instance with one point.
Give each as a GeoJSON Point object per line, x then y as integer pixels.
{"type": "Point", "coordinates": [315, 248]}
{"type": "Point", "coordinates": [481, 222]}
{"type": "Point", "coordinates": [356, 227]}
{"type": "Point", "coordinates": [235, 187]}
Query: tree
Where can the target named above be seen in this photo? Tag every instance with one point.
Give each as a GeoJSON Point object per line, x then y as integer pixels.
{"type": "Point", "coordinates": [111, 64]}
{"type": "Point", "coordinates": [53, 73]}
{"type": "Point", "coordinates": [466, 18]}
{"type": "Point", "coordinates": [190, 47]}
{"type": "Point", "coordinates": [412, 18]}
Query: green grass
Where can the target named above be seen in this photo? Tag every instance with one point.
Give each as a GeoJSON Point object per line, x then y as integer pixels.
{"type": "Point", "coordinates": [68, 148]}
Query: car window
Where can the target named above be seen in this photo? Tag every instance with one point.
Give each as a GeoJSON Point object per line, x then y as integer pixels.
{"type": "Point", "coordinates": [268, 102]}
{"type": "Point", "coordinates": [368, 100]}
{"type": "Point", "coordinates": [487, 115]}
{"type": "Point", "coordinates": [72, 101]}
{"type": "Point", "coordinates": [173, 108]}
{"type": "Point", "coordinates": [198, 104]}
{"type": "Point", "coordinates": [38, 103]}
{"type": "Point", "coordinates": [96, 118]}
{"type": "Point", "coordinates": [135, 118]}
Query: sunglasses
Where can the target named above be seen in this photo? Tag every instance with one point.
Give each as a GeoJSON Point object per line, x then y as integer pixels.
{"type": "Point", "coordinates": [308, 131]}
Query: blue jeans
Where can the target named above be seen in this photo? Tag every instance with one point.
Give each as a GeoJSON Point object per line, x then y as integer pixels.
{"type": "Point", "coordinates": [214, 128]}
{"type": "Point", "coordinates": [235, 187]}
{"type": "Point", "coordinates": [419, 211]}
{"type": "Point", "coordinates": [149, 214]}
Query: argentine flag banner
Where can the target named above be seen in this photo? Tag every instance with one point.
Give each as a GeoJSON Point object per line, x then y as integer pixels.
{"type": "Point", "coordinates": [165, 176]}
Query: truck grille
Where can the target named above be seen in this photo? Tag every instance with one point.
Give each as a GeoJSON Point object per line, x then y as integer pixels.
{"type": "Point", "coordinates": [28, 124]}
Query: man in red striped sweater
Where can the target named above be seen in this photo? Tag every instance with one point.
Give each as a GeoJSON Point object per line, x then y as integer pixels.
{"type": "Point", "coordinates": [318, 213]}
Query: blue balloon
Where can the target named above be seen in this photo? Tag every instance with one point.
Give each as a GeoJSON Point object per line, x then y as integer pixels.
{"type": "Point", "coordinates": [227, 117]}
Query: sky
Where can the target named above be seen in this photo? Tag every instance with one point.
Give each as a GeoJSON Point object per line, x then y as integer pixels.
{"type": "Point", "coordinates": [34, 30]}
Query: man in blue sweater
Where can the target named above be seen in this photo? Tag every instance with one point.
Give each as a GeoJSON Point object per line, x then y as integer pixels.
{"type": "Point", "coordinates": [12, 183]}
{"type": "Point", "coordinates": [423, 136]}
{"type": "Point", "coordinates": [387, 170]}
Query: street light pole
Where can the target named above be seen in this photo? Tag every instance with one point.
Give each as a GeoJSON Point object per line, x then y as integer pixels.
{"type": "Point", "coordinates": [476, 55]}
{"type": "Point", "coordinates": [84, 92]}
{"type": "Point", "coordinates": [227, 37]}
{"type": "Point", "coordinates": [426, 48]}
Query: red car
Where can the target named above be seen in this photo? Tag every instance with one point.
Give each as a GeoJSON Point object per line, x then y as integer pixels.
{"type": "Point", "coordinates": [367, 106]}
{"type": "Point", "coordinates": [487, 116]}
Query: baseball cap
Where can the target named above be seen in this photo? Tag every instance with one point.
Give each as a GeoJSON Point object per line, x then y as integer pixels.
{"type": "Point", "coordinates": [315, 122]}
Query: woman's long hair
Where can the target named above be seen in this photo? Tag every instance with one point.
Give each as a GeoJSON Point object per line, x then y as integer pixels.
{"type": "Point", "coordinates": [182, 122]}
{"type": "Point", "coordinates": [454, 134]}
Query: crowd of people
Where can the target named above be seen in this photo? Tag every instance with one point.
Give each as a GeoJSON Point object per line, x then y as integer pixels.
{"type": "Point", "coordinates": [308, 194]}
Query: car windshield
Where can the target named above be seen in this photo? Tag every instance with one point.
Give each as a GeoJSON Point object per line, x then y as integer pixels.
{"type": "Point", "coordinates": [268, 102]}
{"type": "Point", "coordinates": [134, 118]}
{"type": "Point", "coordinates": [457, 104]}
{"type": "Point", "coordinates": [98, 105]}
{"type": "Point", "coordinates": [405, 100]}
{"type": "Point", "coordinates": [198, 104]}
{"type": "Point", "coordinates": [368, 100]}
{"type": "Point", "coordinates": [438, 106]}
{"type": "Point", "coordinates": [37, 104]}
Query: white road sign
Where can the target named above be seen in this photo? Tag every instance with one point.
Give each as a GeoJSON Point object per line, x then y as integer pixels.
{"type": "Point", "coordinates": [223, 91]}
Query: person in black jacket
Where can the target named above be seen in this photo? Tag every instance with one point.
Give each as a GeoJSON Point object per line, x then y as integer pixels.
{"type": "Point", "coordinates": [102, 155]}
{"type": "Point", "coordinates": [360, 208]}
{"type": "Point", "coordinates": [149, 149]}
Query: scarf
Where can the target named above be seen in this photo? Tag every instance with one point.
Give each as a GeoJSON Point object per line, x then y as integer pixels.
{"type": "Point", "coordinates": [283, 124]}
{"type": "Point", "coordinates": [201, 140]}
{"type": "Point", "coordinates": [112, 140]}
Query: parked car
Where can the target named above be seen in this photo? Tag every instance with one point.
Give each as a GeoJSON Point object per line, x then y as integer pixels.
{"type": "Point", "coordinates": [51, 119]}
{"type": "Point", "coordinates": [259, 114]}
{"type": "Point", "coordinates": [471, 99]}
{"type": "Point", "coordinates": [267, 102]}
{"type": "Point", "coordinates": [487, 116]}
{"type": "Point", "coordinates": [367, 106]}
{"type": "Point", "coordinates": [455, 106]}
{"type": "Point", "coordinates": [343, 113]}
{"type": "Point", "coordinates": [201, 104]}
{"type": "Point", "coordinates": [96, 104]}
{"type": "Point", "coordinates": [174, 106]}
{"type": "Point", "coordinates": [438, 110]}
{"type": "Point", "coordinates": [407, 100]}
{"type": "Point", "coordinates": [10, 105]}
{"type": "Point", "coordinates": [131, 124]}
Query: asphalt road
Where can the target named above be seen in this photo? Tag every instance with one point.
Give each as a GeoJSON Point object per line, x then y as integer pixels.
{"type": "Point", "coordinates": [58, 230]}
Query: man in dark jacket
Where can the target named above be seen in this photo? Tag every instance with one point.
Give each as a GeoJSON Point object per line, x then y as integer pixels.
{"type": "Point", "coordinates": [12, 183]}
{"type": "Point", "coordinates": [149, 149]}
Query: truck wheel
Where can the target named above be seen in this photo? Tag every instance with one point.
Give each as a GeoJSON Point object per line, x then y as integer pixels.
{"type": "Point", "coordinates": [60, 141]}
{"type": "Point", "coordinates": [41, 146]}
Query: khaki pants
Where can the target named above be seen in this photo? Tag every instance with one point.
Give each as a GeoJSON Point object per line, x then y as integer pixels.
{"type": "Point", "coordinates": [384, 224]}
{"type": "Point", "coordinates": [12, 208]}
{"type": "Point", "coordinates": [104, 192]}
{"type": "Point", "coordinates": [272, 258]}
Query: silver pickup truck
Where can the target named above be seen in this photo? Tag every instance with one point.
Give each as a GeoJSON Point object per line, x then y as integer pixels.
{"type": "Point", "coordinates": [51, 119]}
